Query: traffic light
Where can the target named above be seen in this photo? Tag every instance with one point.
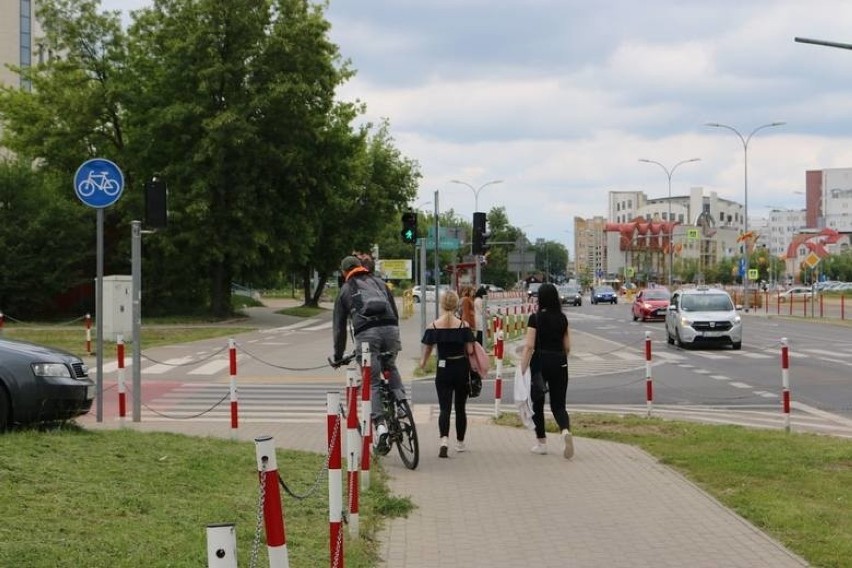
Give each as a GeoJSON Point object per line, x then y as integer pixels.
{"type": "Point", "coordinates": [155, 203]}
{"type": "Point", "coordinates": [480, 234]}
{"type": "Point", "coordinates": [409, 227]}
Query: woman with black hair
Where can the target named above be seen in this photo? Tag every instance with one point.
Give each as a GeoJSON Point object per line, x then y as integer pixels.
{"type": "Point", "coordinates": [479, 313]}
{"type": "Point", "coordinates": [546, 347]}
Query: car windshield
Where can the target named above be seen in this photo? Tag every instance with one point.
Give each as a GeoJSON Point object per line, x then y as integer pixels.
{"type": "Point", "coordinates": [707, 303]}
{"type": "Point", "coordinates": [605, 290]}
{"type": "Point", "coordinates": [656, 295]}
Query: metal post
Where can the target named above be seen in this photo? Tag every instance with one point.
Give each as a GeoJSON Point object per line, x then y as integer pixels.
{"type": "Point", "coordinates": [745, 141]}
{"type": "Point", "coordinates": [136, 297]}
{"type": "Point", "coordinates": [437, 276]}
{"type": "Point", "coordinates": [99, 321]}
{"type": "Point", "coordinates": [422, 286]}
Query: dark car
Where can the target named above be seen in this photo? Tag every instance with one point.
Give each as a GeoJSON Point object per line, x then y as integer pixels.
{"type": "Point", "coordinates": [570, 295]}
{"type": "Point", "coordinates": [652, 303]}
{"type": "Point", "coordinates": [604, 294]}
{"type": "Point", "coordinates": [41, 384]}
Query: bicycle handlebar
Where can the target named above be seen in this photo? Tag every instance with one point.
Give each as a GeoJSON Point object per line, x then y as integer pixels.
{"type": "Point", "coordinates": [348, 359]}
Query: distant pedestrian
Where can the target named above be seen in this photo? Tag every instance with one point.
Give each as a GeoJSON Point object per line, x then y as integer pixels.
{"type": "Point", "coordinates": [479, 314]}
{"type": "Point", "coordinates": [467, 307]}
{"type": "Point", "coordinates": [454, 340]}
{"type": "Point", "coordinates": [546, 347]}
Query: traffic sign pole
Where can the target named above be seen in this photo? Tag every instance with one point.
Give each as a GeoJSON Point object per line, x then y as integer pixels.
{"type": "Point", "coordinates": [98, 183]}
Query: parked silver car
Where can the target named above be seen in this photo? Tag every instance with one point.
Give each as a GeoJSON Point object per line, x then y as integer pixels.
{"type": "Point", "coordinates": [703, 316]}
{"type": "Point", "coordinates": [41, 384]}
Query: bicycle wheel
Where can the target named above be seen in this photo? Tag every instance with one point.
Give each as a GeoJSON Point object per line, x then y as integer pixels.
{"type": "Point", "coordinates": [406, 442]}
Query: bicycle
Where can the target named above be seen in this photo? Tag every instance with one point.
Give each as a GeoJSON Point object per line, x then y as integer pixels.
{"type": "Point", "coordinates": [398, 418]}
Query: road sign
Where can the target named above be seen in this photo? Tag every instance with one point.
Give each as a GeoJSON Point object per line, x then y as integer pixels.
{"type": "Point", "coordinates": [812, 260]}
{"type": "Point", "coordinates": [742, 267]}
{"type": "Point", "coordinates": [752, 274]}
{"type": "Point", "coordinates": [98, 183]}
{"type": "Point", "coordinates": [693, 234]}
{"type": "Point", "coordinates": [395, 269]}
{"type": "Point", "coordinates": [444, 243]}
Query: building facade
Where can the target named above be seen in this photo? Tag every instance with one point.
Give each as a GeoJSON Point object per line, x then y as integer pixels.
{"type": "Point", "coordinates": [19, 33]}
{"type": "Point", "coordinates": [828, 196]}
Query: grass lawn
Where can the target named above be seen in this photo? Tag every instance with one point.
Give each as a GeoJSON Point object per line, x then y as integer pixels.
{"type": "Point", "coordinates": [74, 498]}
{"type": "Point", "coordinates": [796, 487]}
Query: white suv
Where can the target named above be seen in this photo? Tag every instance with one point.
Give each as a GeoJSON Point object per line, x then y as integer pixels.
{"type": "Point", "coordinates": [703, 315]}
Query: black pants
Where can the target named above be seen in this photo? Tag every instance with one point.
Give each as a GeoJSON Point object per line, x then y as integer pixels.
{"type": "Point", "coordinates": [451, 386]}
{"type": "Point", "coordinates": [554, 369]}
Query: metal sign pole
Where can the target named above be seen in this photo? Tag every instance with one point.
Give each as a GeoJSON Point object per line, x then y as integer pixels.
{"type": "Point", "coordinates": [422, 286]}
{"type": "Point", "coordinates": [99, 318]}
{"type": "Point", "coordinates": [136, 295]}
{"type": "Point", "coordinates": [437, 277]}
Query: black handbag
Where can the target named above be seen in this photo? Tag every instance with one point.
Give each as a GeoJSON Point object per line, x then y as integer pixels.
{"type": "Point", "coordinates": [474, 384]}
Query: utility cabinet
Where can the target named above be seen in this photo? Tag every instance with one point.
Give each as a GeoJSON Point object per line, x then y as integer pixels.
{"type": "Point", "coordinates": [118, 307]}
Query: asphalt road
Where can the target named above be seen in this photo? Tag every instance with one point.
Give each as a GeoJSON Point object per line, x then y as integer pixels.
{"type": "Point", "coordinates": [282, 371]}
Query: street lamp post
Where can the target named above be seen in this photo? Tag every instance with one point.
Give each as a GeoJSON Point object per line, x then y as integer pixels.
{"type": "Point", "coordinates": [669, 173]}
{"type": "Point", "coordinates": [745, 140]}
{"type": "Point", "coordinates": [476, 191]}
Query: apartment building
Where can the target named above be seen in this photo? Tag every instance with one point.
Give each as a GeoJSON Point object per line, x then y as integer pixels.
{"type": "Point", "coordinates": [19, 33]}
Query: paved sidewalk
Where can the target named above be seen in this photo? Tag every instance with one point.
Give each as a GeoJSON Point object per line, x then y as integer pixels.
{"type": "Point", "coordinates": [498, 505]}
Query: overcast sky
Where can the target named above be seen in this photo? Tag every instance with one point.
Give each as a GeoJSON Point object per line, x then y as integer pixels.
{"type": "Point", "coordinates": [559, 99]}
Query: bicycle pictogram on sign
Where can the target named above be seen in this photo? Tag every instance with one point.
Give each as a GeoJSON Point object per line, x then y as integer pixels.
{"type": "Point", "coordinates": [98, 183]}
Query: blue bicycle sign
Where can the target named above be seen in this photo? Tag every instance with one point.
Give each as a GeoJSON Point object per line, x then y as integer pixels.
{"type": "Point", "coordinates": [98, 183]}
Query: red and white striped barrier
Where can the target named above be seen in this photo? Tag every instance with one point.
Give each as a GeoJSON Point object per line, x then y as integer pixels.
{"type": "Point", "coordinates": [335, 480]}
{"type": "Point", "coordinates": [232, 356]}
{"type": "Point", "coordinates": [498, 356]}
{"type": "Point", "coordinates": [2, 321]}
{"type": "Point", "coordinates": [649, 381]}
{"type": "Point", "coordinates": [366, 422]}
{"type": "Point", "coordinates": [89, 333]}
{"type": "Point", "coordinates": [122, 389]}
{"type": "Point", "coordinates": [273, 510]}
{"type": "Point", "coordinates": [353, 447]}
{"type": "Point", "coordinates": [785, 381]}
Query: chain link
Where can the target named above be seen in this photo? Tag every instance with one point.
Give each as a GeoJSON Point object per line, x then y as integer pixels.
{"type": "Point", "coordinates": [259, 521]}
{"type": "Point", "coordinates": [335, 433]}
{"type": "Point", "coordinates": [193, 362]}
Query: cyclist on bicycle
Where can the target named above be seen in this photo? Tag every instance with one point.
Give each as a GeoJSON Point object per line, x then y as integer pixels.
{"type": "Point", "coordinates": [367, 302]}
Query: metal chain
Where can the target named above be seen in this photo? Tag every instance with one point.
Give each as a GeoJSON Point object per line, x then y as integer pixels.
{"type": "Point", "coordinates": [259, 521]}
{"type": "Point", "coordinates": [194, 362]}
{"type": "Point", "coordinates": [253, 356]}
{"type": "Point", "coordinates": [175, 417]}
{"type": "Point", "coordinates": [335, 433]}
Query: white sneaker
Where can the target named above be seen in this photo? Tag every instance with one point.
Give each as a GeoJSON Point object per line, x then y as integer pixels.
{"type": "Point", "coordinates": [540, 449]}
{"type": "Point", "coordinates": [568, 452]}
{"type": "Point", "coordinates": [382, 446]}
{"type": "Point", "coordinates": [460, 447]}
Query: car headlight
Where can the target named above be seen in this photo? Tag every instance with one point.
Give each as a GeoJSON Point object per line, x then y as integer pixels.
{"type": "Point", "coordinates": [51, 370]}
{"type": "Point", "coordinates": [685, 321]}
{"type": "Point", "coordinates": [736, 320]}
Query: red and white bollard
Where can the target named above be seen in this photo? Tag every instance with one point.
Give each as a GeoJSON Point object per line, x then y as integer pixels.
{"type": "Point", "coordinates": [273, 511]}
{"type": "Point", "coordinates": [122, 389]}
{"type": "Point", "coordinates": [498, 379]}
{"type": "Point", "coordinates": [353, 448]}
{"type": "Point", "coordinates": [335, 480]}
{"type": "Point", "coordinates": [649, 381]}
{"type": "Point", "coordinates": [89, 334]}
{"type": "Point", "coordinates": [232, 356]}
{"type": "Point", "coordinates": [785, 381]}
{"type": "Point", "coordinates": [221, 546]}
{"type": "Point", "coordinates": [366, 422]}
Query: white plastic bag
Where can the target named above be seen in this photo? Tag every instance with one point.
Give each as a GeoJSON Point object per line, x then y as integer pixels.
{"type": "Point", "coordinates": [522, 397]}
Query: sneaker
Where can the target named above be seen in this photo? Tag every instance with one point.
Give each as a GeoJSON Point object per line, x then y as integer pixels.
{"type": "Point", "coordinates": [382, 446]}
{"type": "Point", "coordinates": [540, 449]}
{"type": "Point", "coordinates": [442, 453]}
{"type": "Point", "coordinates": [460, 447]}
{"type": "Point", "coordinates": [568, 452]}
